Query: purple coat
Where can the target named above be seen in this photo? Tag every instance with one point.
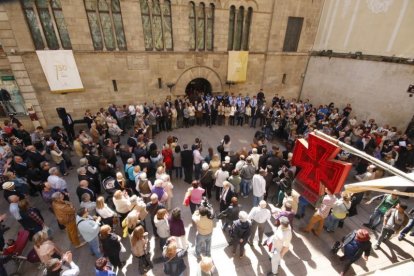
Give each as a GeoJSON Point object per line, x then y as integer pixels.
{"type": "Point", "coordinates": [176, 227]}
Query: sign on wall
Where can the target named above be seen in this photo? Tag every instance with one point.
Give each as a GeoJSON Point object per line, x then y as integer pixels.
{"type": "Point", "coordinates": [60, 70]}
{"type": "Point", "coordinates": [237, 66]}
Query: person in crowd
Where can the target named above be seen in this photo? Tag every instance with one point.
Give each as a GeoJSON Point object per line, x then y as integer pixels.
{"type": "Point", "coordinates": [140, 249]}
{"type": "Point", "coordinates": [230, 214]}
{"type": "Point", "coordinates": [57, 182]}
{"type": "Point", "coordinates": [111, 245]}
{"type": "Point", "coordinates": [408, 227]}
{"type": "Point", "coordinates": [198, 160]}
{"type": "Point", "coordinates": [258, 216]}
{"type": "Point", "coordinates": [395, 219]}
{"type": "Point", "coordinates": [235, 181]}
{"type": "Point", "coordinates": [177, 229]}
{"type": "Point", "coordinates": [207, 180]}
{"type": "Point", "coordinates": [107, 214]}
{"type": "Point", "coordinates": [206, 267]}
{"type": "Point", "coordinates": [88, 204]}
{"type": "Point", "coordinates": [102, 267]}
{"type": "Point", "coordinates": [144, 187]}
{"type": "Point", "coordinates": [226, 146]}
{"type": "Point", "coordinates": [258, 186]}
{"type": "Point", "coordinates": [163, 228]}
{"type": "Point", "coordinates": [123, 203]}
{"type": "Point", "coordinates": [45, 248]}
{"type": "Point", "coordinates": [247, 173]}
{"type": "Point", "coordinates": [226, 196]}
{"type": "Point", "coordinates": [281, 240]}
{"type": "Point", "coordinates": [174, 258]}
{"type": "Point", "coordinates": [204, 224]}
{"type": "Point", "coordinates": [356, 244]}
{"type": "Point", "coordinates": [339, 212]}
{"type": "Point", "coordinates": [241, 231]}
{"type": "Point", "coordinates": [152, 208]}
{"type": "Point", "coordinates": [62, 267]}
{"type": "Point", "coordinates": [89, 229]}
{"type": "Point", "coordinates": [221, 175]}
{"type": "Point", "coordinates": [196, 195]}
{"type": "Point", "coordinates": [177, 163]}
{"type": "Point", "coordinates": [187, 163]}
{"type": "Point", "coordinates": [321, 213]}
{"type": "Point", "coordinates": [31, 218]}
{"type": "Point", "coordinates": [83, 188]}
{"type": "Point", "coordinates": [388, 201]}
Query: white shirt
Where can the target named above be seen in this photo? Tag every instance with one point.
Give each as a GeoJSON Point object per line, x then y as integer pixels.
{"type": "Point", "coordinates": [72, 271]}
{"type": "Point", "coordinates": [57, 182]}
{"type": "Point", "coordinates": [221, 176]}
{"type": "Point", "coordinates": [240, 164]}
{"type": "Point", "coordinates": [14, 210]}
{"type": "Point", "coordinates": [255, 158]}
{"type": "Point", "coordinates": [105, 212]}
{"type": "Point", "coordinates": [259, 214]}
{"type": "Point", "coordinates": [131, 110]}
{"type": "Point", "coordinates": [281, 238]}
{"type": "Point", "coordinates": [197, 157]}
{"type": "Point", "coordinates": [259, 185]}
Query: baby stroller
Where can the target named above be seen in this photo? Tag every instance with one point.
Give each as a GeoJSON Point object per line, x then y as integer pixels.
{"type": "Point", "coordinates": [108, 184]}
{"type": "Point", "coordinates": [16, 250]}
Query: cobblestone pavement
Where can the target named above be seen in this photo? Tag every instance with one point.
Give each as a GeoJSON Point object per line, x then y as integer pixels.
{"type": "Point", "coordinates": [308, 255]}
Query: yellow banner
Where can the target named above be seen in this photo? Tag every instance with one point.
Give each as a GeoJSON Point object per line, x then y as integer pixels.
{"type": "Point", "coordinates": [237, 66]}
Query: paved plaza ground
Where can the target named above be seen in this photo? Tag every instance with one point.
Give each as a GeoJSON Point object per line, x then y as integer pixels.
{"type": "Point", "coordinates": [308, 255]}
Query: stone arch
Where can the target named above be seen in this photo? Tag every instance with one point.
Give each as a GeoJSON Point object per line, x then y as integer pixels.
{"type": "Point", "coordinates": [198, 72]}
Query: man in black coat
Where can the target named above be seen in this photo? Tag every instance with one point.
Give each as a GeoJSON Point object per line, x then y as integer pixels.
{"type": "Point", "coordinates": [69, 124]}
{"type": "Point", "coordinates": [187, 163]}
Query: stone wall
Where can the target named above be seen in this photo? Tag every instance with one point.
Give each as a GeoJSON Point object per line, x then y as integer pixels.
{"type": "Point", "coordinates": [136, 71]}
{"type": "Point", "coordinates": [376, 90]}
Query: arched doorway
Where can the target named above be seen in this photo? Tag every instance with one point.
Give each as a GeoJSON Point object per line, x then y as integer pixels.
{"type": "Point", "coordinates": [197, 87]}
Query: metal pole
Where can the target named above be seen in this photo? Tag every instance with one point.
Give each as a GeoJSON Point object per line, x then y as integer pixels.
{"type": "Point", "coordinates": [365, 156]}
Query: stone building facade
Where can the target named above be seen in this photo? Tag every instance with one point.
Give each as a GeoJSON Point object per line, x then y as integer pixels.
{"type": "Point", "coordinates": [142, 75]}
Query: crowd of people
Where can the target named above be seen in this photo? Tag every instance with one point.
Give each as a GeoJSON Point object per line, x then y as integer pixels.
{"type": "Point", "coordinates": [131, 184]}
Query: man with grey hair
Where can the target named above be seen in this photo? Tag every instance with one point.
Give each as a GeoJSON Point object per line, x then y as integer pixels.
{"type": "Point", "coordinates": [240, 232]}
{"type": "Point", "coordinates": [280, 240]}
{"type": "Point", "coordinates": [259, 215]}
{"type": "Point", "coordinates": [56, 181]}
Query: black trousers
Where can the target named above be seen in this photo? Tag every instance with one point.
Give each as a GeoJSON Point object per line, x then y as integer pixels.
{"type": "Point", "coordinates": [188, 174]}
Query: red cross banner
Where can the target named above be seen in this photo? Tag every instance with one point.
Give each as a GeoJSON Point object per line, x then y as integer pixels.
{"type": "Point", "coordinates": [318, 168]}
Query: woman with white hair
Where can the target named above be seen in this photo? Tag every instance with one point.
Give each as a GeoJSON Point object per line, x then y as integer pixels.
{"type": "Point", "coordinates": [144, 187]}
{"type": "Point", "coordinates": [226, 195]}
{"type": "Point", "coordinates": [221, 175]}
{"type": "Point", "coordinates": [207, 179]}
{"type": "Point", "coordinates": [240, 232]}
{"type": "Point", "coordinates": [123, 203]}
{"type": "Point", "coordinates": [159, 190]}
{"type": "Point", "coordinates": [168, 188]}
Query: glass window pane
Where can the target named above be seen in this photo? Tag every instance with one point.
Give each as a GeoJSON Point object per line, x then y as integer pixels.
{"type": "Point", "coordinates": [61, 25]}
{"type": "Point", "coordinates": [106, 25]}
{"type": "Point", "coordinates": [33, 24]}
{"type": "Point", "coordinates": [119, 27]}
{"type": "Point", "coordinates": [166, 11]}
{"type": "Point", "coordinates": [231, 28]}
{"type": "Point", "coordinates": [239, 29]}
{"type": "Point", "coordinates": [47, 25]}
{"type": "Point", "coordinates": [210, 28]}
{"type": "Point", "coordinates": [146, 24]}
{"type": "Point", "coordinates": [157, 25]}
{"type": "Point", "coordinates": [200, 26]}
{"type": "Point", "coordinates": [192, 21]}
{"type": "Point", "coordinates": [246, 32]}
{"type": "Point", "coordinates": [292, 37]}
{"type": "Point", "coordinates": [90, 6]}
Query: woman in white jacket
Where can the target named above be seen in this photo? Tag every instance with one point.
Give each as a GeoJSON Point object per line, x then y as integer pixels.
{"type": "Point", "coordinates": [221, 175]}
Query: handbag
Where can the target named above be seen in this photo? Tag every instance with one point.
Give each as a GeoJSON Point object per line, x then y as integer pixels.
{"type": "Point", "coordinates": [186, 201]}
{"type": "Point", "coordinates": [220, 148]}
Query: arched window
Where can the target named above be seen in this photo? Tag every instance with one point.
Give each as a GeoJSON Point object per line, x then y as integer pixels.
{"type": "Point", "coordinates": [192, 20]}
{"type": "Point", "coordinates": [239, 28]}
{"type": "Point", "coordinates": [146, 24]}
{"type": "Point", "coordinates": [210, 28]}
{"type": "Point", "coordinates": [167, 30]}
{"type": "Point", "coordinates": [201, 13]}
{"type": "Point", "coordinates": [90, 7]}
{"type": "Point", "coordinates": [46, 23]}
{"type": "Point", "coordinates": [105, 20]}
{"type": "Point", "coordinates": [246, 32]}
{"type": "Point", "coordinates": [119, 27]}
{"type": "Point", "coordinates": [232, 18]}
{"type": "Point", "coordinates": [157, 24]}
{"type": "Point", "coordinates": [60, 24]}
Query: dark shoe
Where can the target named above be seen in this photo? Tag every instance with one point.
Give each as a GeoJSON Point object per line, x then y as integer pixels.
{"type": "Point", "coordinates": [412, 234]}
{"type": "Point", "coordinates": [376, 247]}
{"type": "Point", "coordinates": [250, 243]}
{"type": "Point", "coordinates": [298, 216]}
{"type": "Point", "coordinates": [400, 238]}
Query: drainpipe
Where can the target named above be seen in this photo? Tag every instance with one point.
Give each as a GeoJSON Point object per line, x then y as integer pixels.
{"type": "Point", "coordinates": [267, 44]}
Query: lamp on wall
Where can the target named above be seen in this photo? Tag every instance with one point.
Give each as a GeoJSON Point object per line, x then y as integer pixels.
{"type": "Point", "coordinates": [170, 85]}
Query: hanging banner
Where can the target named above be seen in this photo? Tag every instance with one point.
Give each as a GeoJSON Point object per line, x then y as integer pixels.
{"type": "Point", "coordinates": [237, 66]}
{"type": "Point", "coordinates": [60, 70]}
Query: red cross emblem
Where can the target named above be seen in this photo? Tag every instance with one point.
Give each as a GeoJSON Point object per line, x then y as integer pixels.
{"type": "Point", "coordinates": [316, 159]}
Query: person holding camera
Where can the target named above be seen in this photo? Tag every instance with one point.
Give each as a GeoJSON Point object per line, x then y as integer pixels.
{"type": "Point", "coordinates": [63, 267]}
{"type": "Point", "coordinates": [204, 223]}
{"type": "Point", "coordinates": [89, 228]}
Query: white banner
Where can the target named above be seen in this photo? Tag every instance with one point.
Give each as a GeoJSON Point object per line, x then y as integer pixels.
{"type": "Point", "coordinates": [60, 70]}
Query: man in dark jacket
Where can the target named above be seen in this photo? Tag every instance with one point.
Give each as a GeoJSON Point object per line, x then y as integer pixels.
{"type": "Point", "coordinates": [187, 163]}
{"type": "Point", "coordinates": [355, 244]}
{"type": "Point", "coordinates": [240, 232]}
{"type": "Point", "coordinates": [230, 214]}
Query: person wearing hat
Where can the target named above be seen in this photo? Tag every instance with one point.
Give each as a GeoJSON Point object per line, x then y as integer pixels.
{"type": "Point", "coordinates": [64, 267]}
{"type": "Point", "coordinates": [388, 201]}
{"type": "Point", "coordinates": [280, 240]}
{"type": "Point", "coordinates": [355, 244]}
{"type": "Point", "coordinates": [241, 230]}
{"type": "Point", "coordinates": [9, 189]}
{"type": "Point", "coordinates": [259, 215]}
